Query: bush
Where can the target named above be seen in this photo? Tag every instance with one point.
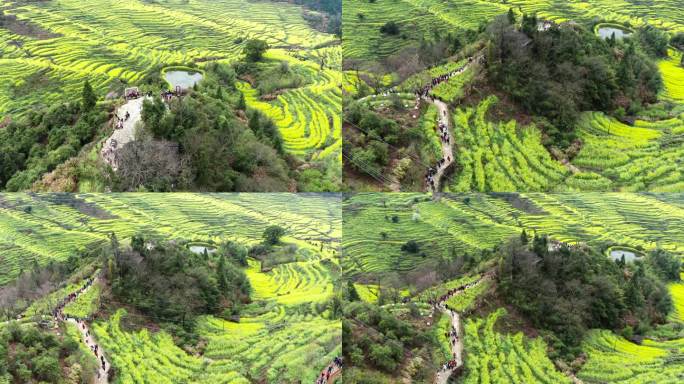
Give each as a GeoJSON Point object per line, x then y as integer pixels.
{"type": "Point", "coordinates": [47, 368]}
{"type": "Point", "coordinates": [273, 234]}
{"type": "Point", "coordinates": [381, 356]}
{"type": "Point", "coordinates": [411, 247]}
{"type": "Point", "coordinates": [666, 265]}
{"type": "Point", "coordinates": [255, 49]}
{"type": "Point", "coordinates": [390, 28]}
{"type": "Point", "coordinates": [678, 40]}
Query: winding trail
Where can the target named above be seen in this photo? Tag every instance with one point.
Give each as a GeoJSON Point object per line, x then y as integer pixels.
{"type": "Point", "coordinates": [89, 341]}
{"type": "Point", "coordinates": [456, 348]}
{"type": "Point", "coordinates": [447, 149]}
{"type": "Point", "coordinates": [456, 332]}
{"type": "Point", "coordinates": [87, 336]}
{"type": "Point", "coordinates": [121, 137]}
{"type": "Point", "coordinates": [331, 373]}
{"type": "Point", "coordinates": [436, 173]}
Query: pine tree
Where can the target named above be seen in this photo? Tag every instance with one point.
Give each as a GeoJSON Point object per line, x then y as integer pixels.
{"type": "Point", "coordinates": [511, 16]}
{"type": "Point", "coordinates": [633, 296]}
{"type": "Point", "coordinates": [221, 274]}
{"type": "Point", "coordinates": [254, 123]}
{"type": "Point", "coordinates": [523, 237]}
{"type": "Point", "coordinates": [611, 40]}
{"type": "Point", "coordinates": [89, 99]}
{"type": "Point", "coordinates": [242, 104]}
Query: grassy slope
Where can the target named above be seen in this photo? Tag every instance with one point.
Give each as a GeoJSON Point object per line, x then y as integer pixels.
{"type": "Point", "coordinates": [53, 230]}
{"type": "Point", "coordinates": [468, 223]}
{"type": "Point", "coordinates": [284, 335]}
{"type": "Point", "coordinates": [614, 157]}
{"type": "Point", "coordinates": [108, 41]}
{"type": "Point", "coordinates": [633, 219]}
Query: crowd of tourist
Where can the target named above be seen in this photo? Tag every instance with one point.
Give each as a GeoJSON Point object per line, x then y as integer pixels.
{"type": "Point", "coordinates": [330, 371]}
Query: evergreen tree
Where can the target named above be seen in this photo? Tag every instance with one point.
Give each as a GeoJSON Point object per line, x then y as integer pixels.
{"type": "Point", "coordinates": [253, 123]}
{"type": "Point", "coordinates": [221, 274]}
{"type": "Point", "coordinates": [511, 16]}
{"type": "Point", "coordinates": [89, 99]}
{"type": "Point", "coordinates": [529, 24]}
{"type": "Point", "coordinates": [242, 104]}
{"type": "Point", "coordinates": [633, 296]}
{"type": "Point", "coordinates": [540, 245]}
{"type": "Point", "coordinates": [138, 243]}
{"type": "Point", "coordinates": [110, 268]}
{"type": "Point", "coordinates": [523, 237]}
{"type": "Point", "coordinates": [625, 72]}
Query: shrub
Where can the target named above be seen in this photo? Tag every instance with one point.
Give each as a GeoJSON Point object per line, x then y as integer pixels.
{"type": "Point", "coordinates": [390, 28]}
{"type": "Point", "coordinates": [410, 246]}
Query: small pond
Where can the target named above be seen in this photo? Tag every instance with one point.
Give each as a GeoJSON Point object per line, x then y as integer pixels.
{"type": "Point", "coordinates": [606, 32]}
{"type": "Point", "coordinates": [630, 256]}
{"type": "Point", "coordinates": [199, 249]}
{"type": "Point", "coordinates": [184, 79]}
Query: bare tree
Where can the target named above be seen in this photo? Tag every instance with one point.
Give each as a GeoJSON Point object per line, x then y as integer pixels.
{"type": "Point", "coordinates": [405, 63]}
{"type": "Point", "coordinates": [148, 162]}
{"type": "Point", "coordinates": [8, 300]}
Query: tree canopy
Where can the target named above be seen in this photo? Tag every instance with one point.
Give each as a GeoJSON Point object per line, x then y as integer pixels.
{"type": "Point", "coordinates": [254, 49]}
{"type": "Point", "coordinates": [272, 234]}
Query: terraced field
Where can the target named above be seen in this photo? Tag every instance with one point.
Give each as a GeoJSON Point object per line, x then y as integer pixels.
{"type": "Point", "coordinates": [493, 357]}
{"type": "Point", "coordinates": [283, 324]}
{"type": "Point", "coordinates": [112, 42]}
{"type": "Point", "coordinates": [615, 156]}
{"type": "Point", "coordinates": [309, 117]}
{"type": "Point", "coordinates": [417, 19]}
{"type": "Point", "coordinates": [366, 217]}
{"type": "Point", "coordinates": [664, 14]}
{"type": "Point", "coordinates": [468, 223]}
{"type": "Point", "coordinates": [677, 292]}
{"type": "Point", "coordinates": [673, 77]}
{"type": "Point", "coordinates": [500, 157]}
{"type": "Point", "coordinates": [85, 305]}
{"type": "Point", "coordinates": [457, 224]}
{"type": "Point", "coordinates": [613, 359]}
{"type": "Point", "coordinates": [282, 336]}
{"type": "Point", "coordinates": [53, 227]}
{"type": "Point", "coordinates": [286, 334]}
{"type": "Point", "coordinates": [507, 157]}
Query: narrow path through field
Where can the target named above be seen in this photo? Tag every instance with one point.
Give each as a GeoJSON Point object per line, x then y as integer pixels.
{"type": "Point", "coordinates": [89, 340]}
{"type": "Point", "coordinates": [122, 134]}
{"type": "Point", "coordinates": [331, 373]}
{"type": "Point", "coordinates": [86, 336]}
{"type": "Point", "coordinates": [436, 172]}
{"type": "Point", "coordinates": [447, 149]}
{"type": "Point", "coordinates": [455, 333]}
